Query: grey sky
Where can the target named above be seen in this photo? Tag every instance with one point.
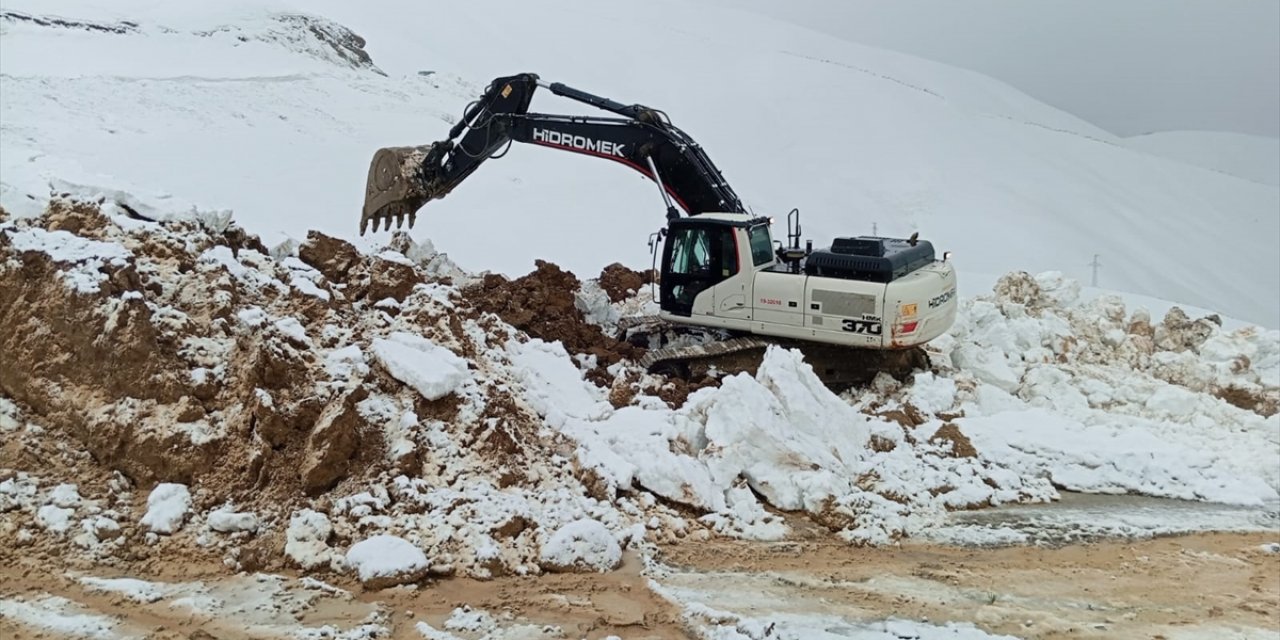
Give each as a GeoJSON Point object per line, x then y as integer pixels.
{"type": "Point", "coordinates": [1128, 66]}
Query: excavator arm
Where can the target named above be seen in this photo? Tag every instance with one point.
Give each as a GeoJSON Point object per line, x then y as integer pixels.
{"type": "Point", "coordinates": [403, 179]}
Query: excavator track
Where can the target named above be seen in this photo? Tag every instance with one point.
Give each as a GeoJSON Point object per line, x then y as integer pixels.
{"type": "Point", "coordinates": [838, 367]}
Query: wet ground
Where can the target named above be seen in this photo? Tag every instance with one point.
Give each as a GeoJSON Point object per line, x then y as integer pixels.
{"type": "Point", "coordinates": [1084, 567]}
{"type": "Point", "coordinates": [1080, 517]}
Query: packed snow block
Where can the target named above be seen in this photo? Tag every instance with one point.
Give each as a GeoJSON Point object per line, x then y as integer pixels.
{"type": "Point", "coordinates": [331, 256]}
{"type": "Point", "coordinates": [332, 443]}
{"type": "Point", "coordinates": [307, 539]}
{"type": "Point", "coordinates": [581, 546]}
{"type": "Point", "coordinates": [386, 561]}
{"type": "Point", "coordinates": [167, 507]}
{"type": "Point", "coordinates": [227, 521]}
{"type": "Point", "coordinates": [422, 364]}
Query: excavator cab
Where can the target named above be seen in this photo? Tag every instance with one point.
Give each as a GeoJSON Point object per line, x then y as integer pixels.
{"type": "Point", "coordinates": [699, 253]}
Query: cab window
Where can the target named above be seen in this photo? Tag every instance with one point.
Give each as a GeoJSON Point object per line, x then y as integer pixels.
{"type": "Point", "coordinates": [728, 254]}
{"type": "Point", "coordinates": [691, 252]}
{"type": "Point", "coordinates": [761, 245]}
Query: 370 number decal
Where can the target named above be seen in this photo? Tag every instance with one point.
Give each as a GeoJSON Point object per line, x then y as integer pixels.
{"type": "Point", "coordinates": [871, 327]}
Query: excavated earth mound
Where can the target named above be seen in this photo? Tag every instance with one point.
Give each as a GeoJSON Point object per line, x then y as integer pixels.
{"type": "Point", "coordinates": [543, 305]}
{"type": "Point", "coordinates": [139, 354]}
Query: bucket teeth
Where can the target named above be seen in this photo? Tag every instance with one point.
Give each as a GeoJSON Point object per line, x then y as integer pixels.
{"type": "Point", "coordinates": [395, 187]}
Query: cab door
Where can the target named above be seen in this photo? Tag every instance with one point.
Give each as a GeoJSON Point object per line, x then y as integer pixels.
{"type": "Point", "coordinates": [687, 268]}
{"type": "Point", "coordinates": [732, 294]}
{"type": "Point", "coordinates": [696, 259]}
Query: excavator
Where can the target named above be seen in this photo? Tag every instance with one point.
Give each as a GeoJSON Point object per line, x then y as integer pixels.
{"type": "Point", "coordinates": [859, 306]}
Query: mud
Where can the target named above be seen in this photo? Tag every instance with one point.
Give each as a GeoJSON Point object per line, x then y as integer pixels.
{"type": "Point", "coordinates": [1204, 585]}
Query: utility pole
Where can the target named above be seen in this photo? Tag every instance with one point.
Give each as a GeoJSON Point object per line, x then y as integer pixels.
{"type": "Point", "coordinates": [874, 233]}
{"type": "Point", "coordinates": [1095, 264]}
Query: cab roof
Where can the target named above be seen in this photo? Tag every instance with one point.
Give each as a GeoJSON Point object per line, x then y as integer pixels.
{"type": "Point", "coordinates": [725, 218]}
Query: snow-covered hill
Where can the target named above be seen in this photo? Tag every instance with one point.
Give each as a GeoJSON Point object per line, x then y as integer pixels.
{"type": "Point", "coordinates": [1255, 158]}
{"type": "Point", "coordinates": [249, 107]}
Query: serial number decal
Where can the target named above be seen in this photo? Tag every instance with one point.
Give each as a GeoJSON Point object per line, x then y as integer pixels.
{"type": "Point", "coordinates": [771, 301]}
{"type": "Point", "coordinates": [939, 300]}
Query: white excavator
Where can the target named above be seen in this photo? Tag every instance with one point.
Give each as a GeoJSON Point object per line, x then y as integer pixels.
{"type": "Point", "coordinates": [856, 307]}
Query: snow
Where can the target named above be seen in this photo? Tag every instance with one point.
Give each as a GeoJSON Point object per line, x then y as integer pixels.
{"type": "Point", "coordinates": [131, 588]}
{"type": "Point", "coordinates": [385, 556]}
{"type": "Point", "coordinates": [167, 507]}
{"type": "Point", "coordinates": [55, 519]}
{"type": "Point", "coordinates": [581, 545]}
{"type": "Point", "coordinates": [58, 615]}
{"type": "Point", "coordinates": [227, 521]}
{"type": "Point", "coordinates": [465, 618]}
{"type": "Point", "coordinates": [1109, 459]}
{"type": "Point", "coordinates": [416, 361]}
{"type": "Point", "coordinates": [772, 620]}
{"type": "Point", "coordinates": [293, 330]}
{"type": "Point", "coordinates": [1251, 157]}
{"type": "Point", "coordinates": [82, 258]}
{"type": "Point", "coordinates": [306, 539]}
{"type": "Point", "coordinates": [431, 633]}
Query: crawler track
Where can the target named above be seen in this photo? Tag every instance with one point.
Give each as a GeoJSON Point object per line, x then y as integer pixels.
{"type": "Point", "coordinates": [838, 367]}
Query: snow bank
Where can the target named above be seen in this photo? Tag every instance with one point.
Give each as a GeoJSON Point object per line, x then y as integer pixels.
{"type": "Point", "coordinates": [385, 560]}
{"type": "Point", "coordinates": [167, 507]}
{"type": "Point", "coordinates": [1100, 399]}
{"type": "Point", "coordinates": [581, 545]}
{"type": "Point", "coordinates": [782, 434]}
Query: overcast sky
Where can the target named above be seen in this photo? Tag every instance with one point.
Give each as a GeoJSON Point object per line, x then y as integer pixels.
{"type": "Point", "coordinates": [1128, 66]}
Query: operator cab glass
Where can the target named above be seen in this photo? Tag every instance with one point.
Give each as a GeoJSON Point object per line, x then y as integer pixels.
{"type": "Point", "coordinates": [697, 255]}
{"type": "Point", "coordinates": [761, 244]}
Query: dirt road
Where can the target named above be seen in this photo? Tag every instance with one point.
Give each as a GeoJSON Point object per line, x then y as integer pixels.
{"type": "Point", "coordinates": [1212, 585]}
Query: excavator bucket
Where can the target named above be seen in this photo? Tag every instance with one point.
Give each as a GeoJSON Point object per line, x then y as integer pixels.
{"type": "Point", "coordinates": [396, 188]}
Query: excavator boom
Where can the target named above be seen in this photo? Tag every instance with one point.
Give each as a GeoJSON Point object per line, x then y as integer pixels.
{"type": "Point", "coordinates": [403, 179]}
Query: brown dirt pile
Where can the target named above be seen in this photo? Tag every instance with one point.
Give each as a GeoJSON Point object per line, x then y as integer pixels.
{"type": "Point", "coordinates": [264, 382]}
{"type": "Point", "coordinates": [621, 283]}
{"type": "Point", "coordinates": [164, 342]}
{"type": "Point", "coordinates": [542, 304]}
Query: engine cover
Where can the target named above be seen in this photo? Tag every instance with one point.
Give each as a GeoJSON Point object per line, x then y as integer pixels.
{"type": "Point", "coordinates": [869, 258]}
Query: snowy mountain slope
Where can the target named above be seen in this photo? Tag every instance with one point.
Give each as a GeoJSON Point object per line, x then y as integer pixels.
{"type": "Point", "coordinates": [854, 136]}
{"type": "Point", "coordinates": [1255, 158]}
